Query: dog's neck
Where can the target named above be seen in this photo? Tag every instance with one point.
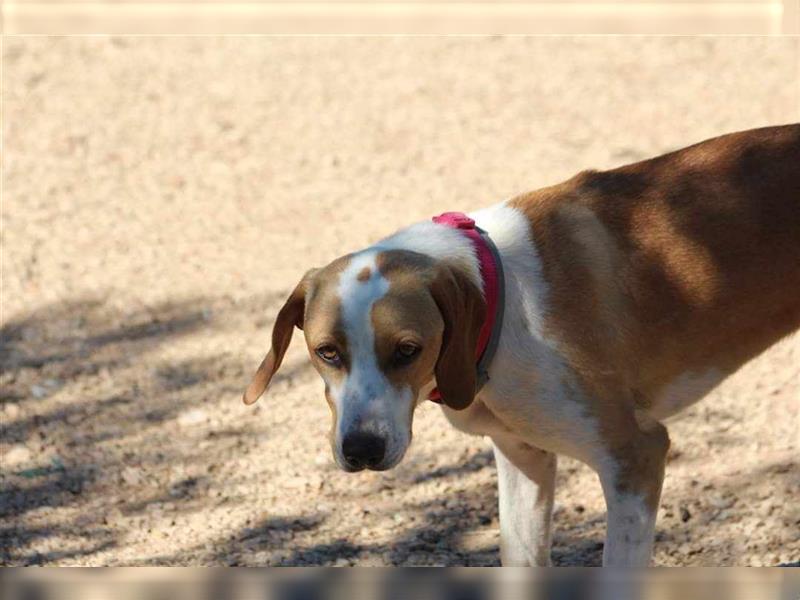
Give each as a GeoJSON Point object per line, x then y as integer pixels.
{"type": "Point", "coordinates": [439, 242]}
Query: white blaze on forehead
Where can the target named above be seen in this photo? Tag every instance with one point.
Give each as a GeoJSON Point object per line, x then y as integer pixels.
{"type": "Point", "coordinates": [358, 294]}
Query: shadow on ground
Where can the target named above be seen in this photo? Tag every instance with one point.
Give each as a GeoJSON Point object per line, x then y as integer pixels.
{"type": "Point", "coordinates": [88, 411]}
{"type": "Point", "coordinates": [87, 394]}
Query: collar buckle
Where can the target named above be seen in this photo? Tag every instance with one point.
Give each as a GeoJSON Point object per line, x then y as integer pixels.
{"type": "Point", "coordinates": [456, 220]}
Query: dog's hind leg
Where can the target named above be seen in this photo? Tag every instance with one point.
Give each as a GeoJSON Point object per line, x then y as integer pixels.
{"type": "Point", "coordinates": [631, 477]}
{"type": "Point", "coordinates": [526, 484]}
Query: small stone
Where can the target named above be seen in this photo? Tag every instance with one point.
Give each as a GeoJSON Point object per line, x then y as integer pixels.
{"type": "Point", "coordinates": [718, 501]}
{"type": "Point", "coordinates": [194, 416]}
{"type": "Point", "coordinates": [17, 455]}
{"type": "Point", "coordinates": [685, 514]}
{"type": "Point", "coordinates": [131, 476]}
{"type": "Point", "coordinates": [74, 419]}
{"type": "Point", "coordinates": [11, 410]}
{"type": "Point", "coordinates": [38, 391]}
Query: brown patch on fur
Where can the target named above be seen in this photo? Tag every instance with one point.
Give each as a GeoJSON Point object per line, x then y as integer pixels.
{"type": "Point", "coordinates": [463, 309]}
{"type": "Point", "coordinates": [641, 462]}
{"type": "Point", "coordinates": [364, 274]}
{"type": "Point", "coordinates": [688, 261]}
{"type": "Point", "coordinates": [439, 305]}
{"type": "Point", "coordinates": [439, 302]}
{"type": "Point", "coordinates": [324, 319]}
{"type": "Point", "coordinates": [407, 312]}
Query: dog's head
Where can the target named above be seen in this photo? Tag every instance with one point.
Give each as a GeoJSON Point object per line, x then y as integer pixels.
{"type": "Point", "coordinates": [380, 326]}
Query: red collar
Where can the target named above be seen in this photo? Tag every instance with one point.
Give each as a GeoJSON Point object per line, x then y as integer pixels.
{"type": "Point", "coordinates": [491, 269]}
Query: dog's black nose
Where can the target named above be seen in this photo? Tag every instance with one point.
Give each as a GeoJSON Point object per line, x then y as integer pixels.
{"type": "Point", "coordinates": [363, 449]}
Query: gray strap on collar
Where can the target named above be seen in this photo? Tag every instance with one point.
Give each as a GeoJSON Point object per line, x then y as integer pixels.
{"type": "Point", "coordinates": [494, 338]}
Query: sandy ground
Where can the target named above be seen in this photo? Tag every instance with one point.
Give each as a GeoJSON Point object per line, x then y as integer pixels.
{"type": "Point", "coordinates": [163, 195]}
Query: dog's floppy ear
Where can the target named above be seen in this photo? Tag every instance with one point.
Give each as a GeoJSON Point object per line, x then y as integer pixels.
{"type": "Point", "coordinates": [290, 316]}
{"type": "Point", "coordinates": [463, 310]}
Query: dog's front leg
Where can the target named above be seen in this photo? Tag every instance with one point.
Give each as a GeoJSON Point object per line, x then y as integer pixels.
{"type": "Point", "coordinates": [526, 483]}
{"type": "Point", "coordinates": [631, 479]}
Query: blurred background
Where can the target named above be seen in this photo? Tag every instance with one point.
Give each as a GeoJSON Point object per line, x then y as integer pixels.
{"type": "Point", "coordinates": [403, 16]}
{"type": "Point", "coordinates": [161, 197]}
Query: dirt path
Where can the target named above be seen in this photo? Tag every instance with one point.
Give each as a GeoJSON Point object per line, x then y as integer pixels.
{"type": "Point", "coordinates": [162, 196]}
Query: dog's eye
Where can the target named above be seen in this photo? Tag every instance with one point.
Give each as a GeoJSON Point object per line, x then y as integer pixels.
{"type": "Point", "coordinates": [329, 354]}
{"type": "Point", "coordinates": [406, 352]}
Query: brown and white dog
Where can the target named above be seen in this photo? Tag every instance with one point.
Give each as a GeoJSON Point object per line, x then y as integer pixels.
{"type": "Point", "coordinates": [629, 294]}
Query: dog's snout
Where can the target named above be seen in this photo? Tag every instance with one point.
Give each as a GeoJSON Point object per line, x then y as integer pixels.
{"type": "Point", "coordinates": [362, 449]}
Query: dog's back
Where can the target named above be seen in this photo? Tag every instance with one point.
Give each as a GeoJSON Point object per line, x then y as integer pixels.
{"type": "Point", "coordinates": [691, 260]}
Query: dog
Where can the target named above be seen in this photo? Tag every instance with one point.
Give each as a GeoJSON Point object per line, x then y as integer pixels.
{"type": "Point", "coordinates": [594, 309]}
